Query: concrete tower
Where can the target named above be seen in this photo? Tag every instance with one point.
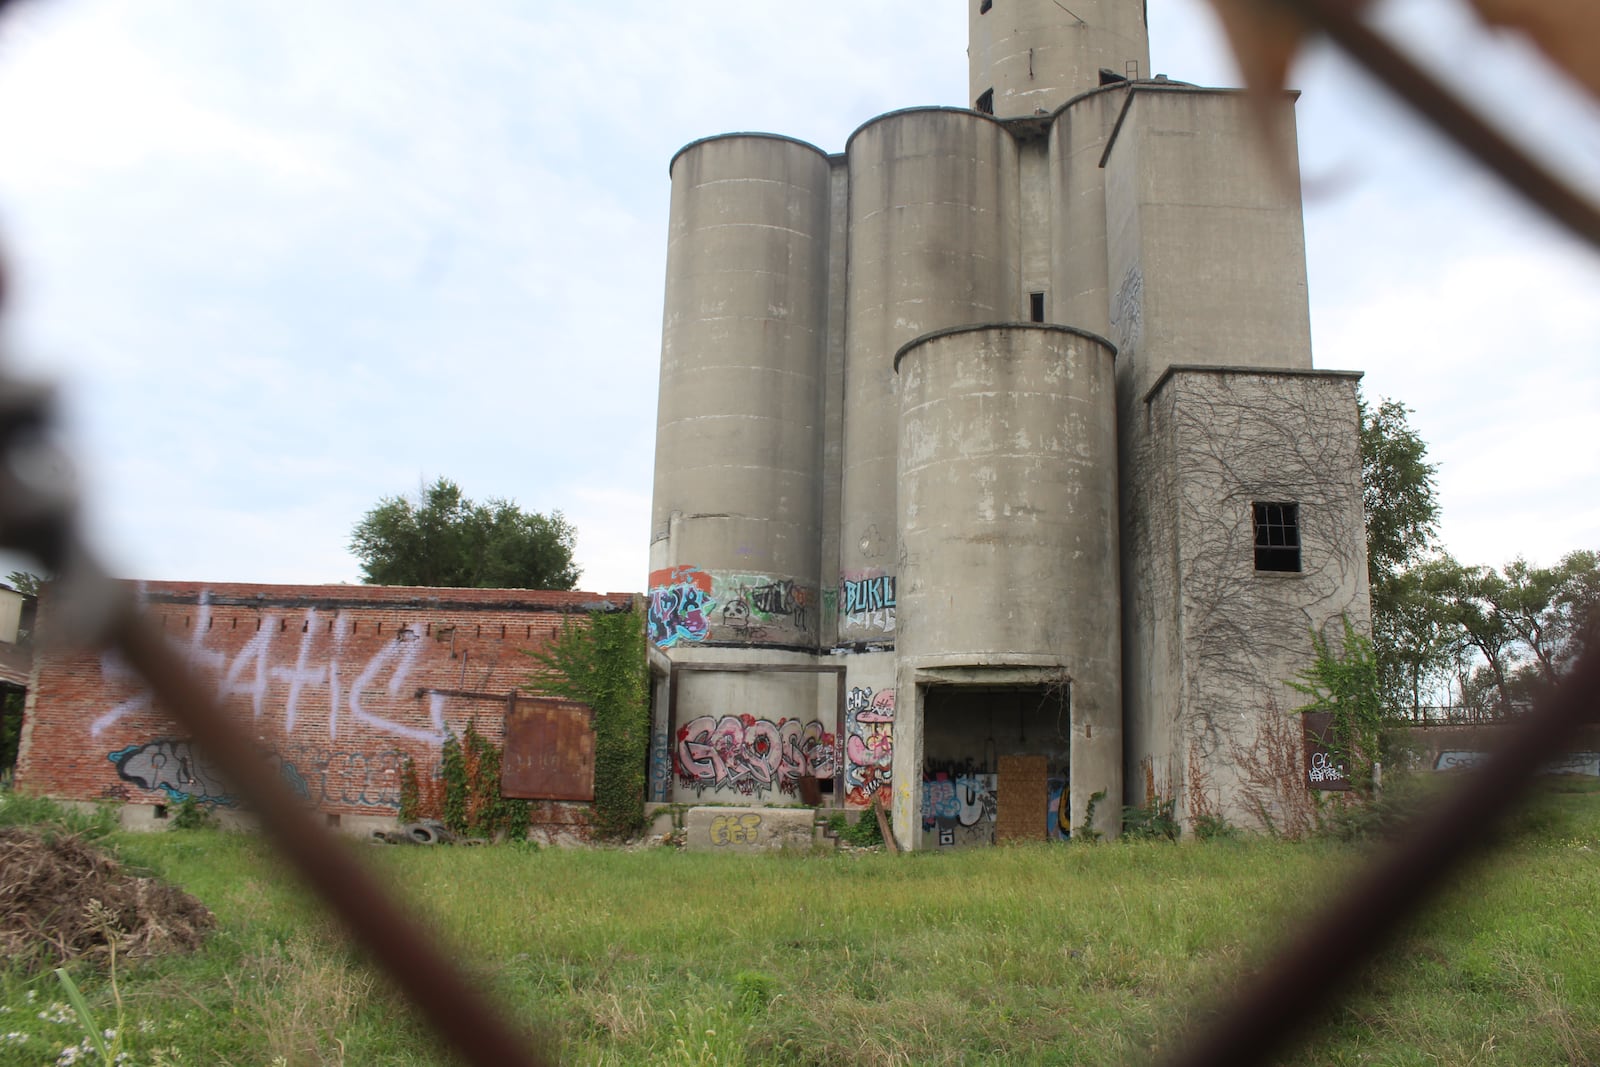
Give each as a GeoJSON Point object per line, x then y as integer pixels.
{"type": "Point", "coordinates": [993, 480]}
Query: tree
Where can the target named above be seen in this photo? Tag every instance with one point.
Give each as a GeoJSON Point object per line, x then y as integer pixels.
{"type": "Point", "coordinates": [444, 539]}
{"type": "Point", "coordinates": [1412, 640]}
{"type": "Point", "coordinates": [24, 583]}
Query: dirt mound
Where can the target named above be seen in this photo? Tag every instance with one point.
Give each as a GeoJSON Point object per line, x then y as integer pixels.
{"type": "Point", "coordinates": [61, 897]}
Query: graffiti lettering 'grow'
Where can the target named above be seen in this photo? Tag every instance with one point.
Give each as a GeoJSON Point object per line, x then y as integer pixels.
{"type": "Point", "coordinates": [750, 756]}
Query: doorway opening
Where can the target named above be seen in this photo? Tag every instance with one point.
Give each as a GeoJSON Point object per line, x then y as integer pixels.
{"type": "Point", "coordinates": [996, 761]}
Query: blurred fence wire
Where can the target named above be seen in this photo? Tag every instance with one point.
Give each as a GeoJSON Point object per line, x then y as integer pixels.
{"type": "Point", "coordinates": [38, 515]}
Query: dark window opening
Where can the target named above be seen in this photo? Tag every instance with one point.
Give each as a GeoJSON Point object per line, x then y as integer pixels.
{"type": "Point", "coordinates": [1277, 536]}
{"type": "Point", "coordinates": [984, 6]}
{"type": "Point", "coordinates": [161, 811]}
{"type": "Point", "coordinates": [1110, 77]}
{"type": "Point", "coordinates": [986, 102]}
{"type": "Point", "coordinates": [332, 820]}
{"type": "Point", "coordinates": [1036, 307]}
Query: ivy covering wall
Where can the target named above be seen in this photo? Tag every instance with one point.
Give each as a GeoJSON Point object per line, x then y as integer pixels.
{"type": "Point", "coordinates": [601, 663]}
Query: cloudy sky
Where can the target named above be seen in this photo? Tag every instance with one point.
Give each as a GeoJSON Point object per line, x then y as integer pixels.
{"type": "Point", "coordinates": [288, 258]}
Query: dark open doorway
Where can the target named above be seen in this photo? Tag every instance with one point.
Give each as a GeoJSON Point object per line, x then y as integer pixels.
{"type": "Point", "coordinates": [995, 763]}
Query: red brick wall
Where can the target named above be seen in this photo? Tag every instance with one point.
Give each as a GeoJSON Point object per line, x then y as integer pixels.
{"type": "Point", "coordinates": [338, 683]}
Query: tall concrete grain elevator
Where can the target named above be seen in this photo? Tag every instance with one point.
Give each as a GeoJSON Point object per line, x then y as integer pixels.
{"type": "Point", "coordinates": [994, 482]}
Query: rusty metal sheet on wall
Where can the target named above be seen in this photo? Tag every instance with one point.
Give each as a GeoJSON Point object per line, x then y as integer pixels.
{"type": "Point", "coordinates": [1324, 770]}
{"type": "Point", "coordinates": [549, 753]}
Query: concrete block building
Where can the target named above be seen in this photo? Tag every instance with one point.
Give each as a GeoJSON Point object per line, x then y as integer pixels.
{"type": "Point", "coordinates": [994, 481]}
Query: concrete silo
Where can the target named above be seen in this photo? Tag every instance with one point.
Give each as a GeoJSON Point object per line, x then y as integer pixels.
{"type": "Point", "coordinates": [1009, 583]}
{"type": "Point", "coordinates": [933, 243]}
{"type": "Point", "coordinates": [735, 544]}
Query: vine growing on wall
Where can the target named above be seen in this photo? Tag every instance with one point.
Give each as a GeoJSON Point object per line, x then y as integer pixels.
{"type": "Point", "coordinates": [1205, 448]}
{"type": "Point", "coordinates": [473, 806]}
{"type": "Point", "coordinates": [1346, 685]}
{"type": "Point", "coordinates": [602, 664]}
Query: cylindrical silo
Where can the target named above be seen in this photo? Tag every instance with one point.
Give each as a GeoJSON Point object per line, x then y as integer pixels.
{"type": "Point", "coordinates": [933, 243]}
{"type": "Point", "coordinates": [735, 543]}
{"type": "Point", "coordinates": [1032, 56]}
{"type": "Point", "coordinates": [1008, 518]}
{"type": "Point", "coordinates": [1078, 263]}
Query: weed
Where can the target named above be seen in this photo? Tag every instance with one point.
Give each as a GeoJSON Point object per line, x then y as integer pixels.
{"type": "Point", "coordinates": [1152, 821]}
{"type": "Point", "coordinates": [862, 833]}
{"type": "Point", "coordinates": [1209, 827]}
{"type": "Point", "coordinates": [25, 809]}
{"type": "Point", "coordinates": [192, 815]}
{"type": "Point", "coordinates": [1085, 831]}
{"type": "Point", "coordinates": [754, 991]}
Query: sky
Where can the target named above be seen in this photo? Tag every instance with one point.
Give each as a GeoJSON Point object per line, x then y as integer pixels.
{"type": "Point", "coordinates": [288, 258]}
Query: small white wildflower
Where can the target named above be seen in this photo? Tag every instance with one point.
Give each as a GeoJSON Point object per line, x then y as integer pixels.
{"type": "Point", "coordinates": [110, 1034]}
{"type": "Point", "coordinates": [123, 1057]}
{"type": "Point", "coordinates": [146, 1026]}
{"type": "Point", "coordinates": [15, 1037]}
{"type": "Point", "coordinates": [32, 996]}
{"type": "Point", "coordinates": [69, 1055]}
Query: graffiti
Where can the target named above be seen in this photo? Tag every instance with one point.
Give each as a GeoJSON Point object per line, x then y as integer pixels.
{"type": "Point", "coordinates": [753, 606]}
{"type": "Point", "coordinates": [660, 766]}
{"type": "Point", "coordinates": [173, 767]}
{"type": "Point", "coordinates": [735, 829]}
{"type": "Point", "coordinates": [1323, 770]}
{"type": "Point", "coordinates": [869, 746]}
{"type": "Point", "coordinates": [866, 600]}
{"type": "Point", "coordinates": [1058, 812]}
{"type": "Point", "coordinates": [354, 779]}
{"type": "Point", "coordinates": [319, 775]}
{"type": "Point", "coordinates": [680, 603]}
{"type": "Point", "coordinates": [252, 672]}
{"type": "Point", "coordinates": [960, 810]}
{"type": "Point", "coordinates": [750, 755]}
{"type": "Point", "coordinates": [1585, 763]}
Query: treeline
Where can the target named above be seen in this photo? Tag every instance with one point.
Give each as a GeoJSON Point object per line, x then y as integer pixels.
{"type": "Point", "coordinates": [1480, 640]}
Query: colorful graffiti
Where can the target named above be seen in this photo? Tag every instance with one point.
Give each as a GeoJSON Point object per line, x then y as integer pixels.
{"type": "Point", "coordinates": [753, 604]}
{"type": "Point", "coordinates": [680, 606]}
{"type": "Point", "coordinates": [742, 829]}
{"type": "Point", "coordinates": [1058, 813]}
{"type": "Point", "coordinates": [869, 746]}
{"type": "Point", "coordinates": [960, 810]}
{"type": "Point", "coordinates": [866, 600]}
{"type": "Point", "coordinates": [749, 755]}
{"type": "Point", "coordinates": [179, 770]}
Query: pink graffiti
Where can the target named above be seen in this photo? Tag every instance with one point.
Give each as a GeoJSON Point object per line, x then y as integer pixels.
{"type": "Point", "coordinates": [750, 755]}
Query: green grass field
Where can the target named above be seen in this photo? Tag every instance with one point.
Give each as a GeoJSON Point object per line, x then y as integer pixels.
{"type": "Point", "coordinates": [1069, 954]}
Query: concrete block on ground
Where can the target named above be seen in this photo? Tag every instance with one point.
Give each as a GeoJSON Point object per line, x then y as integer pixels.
{"type": "Point", "coordinates": [749, 829]}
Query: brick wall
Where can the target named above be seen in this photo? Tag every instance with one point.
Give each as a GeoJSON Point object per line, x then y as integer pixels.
{"type": "Point", "coordinates": [337, 683]}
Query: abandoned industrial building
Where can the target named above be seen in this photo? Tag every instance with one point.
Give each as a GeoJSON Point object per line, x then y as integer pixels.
{"type": "Point", "coordinates": [994, 481]}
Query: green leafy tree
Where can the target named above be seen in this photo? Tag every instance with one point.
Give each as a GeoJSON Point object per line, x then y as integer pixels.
{"type": "Point", "coordinates": [1413, 640]}
{"type": "Point", "coordinates": [444, 539]}
{"type": "Point", "coordinates": [24, 583]}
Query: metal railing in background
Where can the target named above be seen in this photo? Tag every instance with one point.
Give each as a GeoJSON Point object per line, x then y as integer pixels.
{"type": "Point", "coordinates": [38, 515]}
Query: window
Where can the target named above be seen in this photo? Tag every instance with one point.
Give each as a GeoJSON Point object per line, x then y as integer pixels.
{"type": "Point", "coordinates": [986, 102]}
{"type": "Point", "coordinates": [984, 6]}
{"type": "Point", "coordinates": [1277, 536]}
{"type": "Point", "coordinates": [1036, 307]}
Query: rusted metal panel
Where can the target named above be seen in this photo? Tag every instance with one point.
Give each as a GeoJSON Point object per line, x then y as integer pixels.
{"type": "Point", "coordinates": [549, 753]}
{"type": "Point", "coordinates": [1324, 770]}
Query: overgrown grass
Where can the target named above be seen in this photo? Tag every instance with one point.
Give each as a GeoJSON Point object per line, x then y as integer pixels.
{"type": "Point", "coordinates": [1064, 954]}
